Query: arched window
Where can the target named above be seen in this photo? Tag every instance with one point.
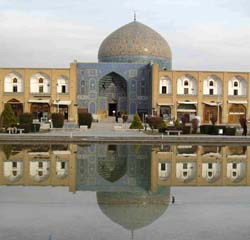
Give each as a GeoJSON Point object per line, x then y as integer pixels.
{"type": "Point", "coordinates": [39, 170]}
{"type": "Point", "coordinates": [236, 88]}
{"type": "Point", "coordinates": [211, 87]}
{"type": "Point", "coordinates": [13, 83]}
{"type": "Point", "coordinates": [62, 85]}
{"type": "Point", "coordinates": [165, 85]}
{"type": "Point", "coordinates": [186, 87]}
{"type": "Point", "coordinates": [40, 83]}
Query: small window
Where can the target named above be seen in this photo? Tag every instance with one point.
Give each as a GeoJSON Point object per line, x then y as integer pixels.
{"type": "Point", "coordinates": [186, 91]}
{"type": "Point", "coordinates": [186, 83]}
{"type": "Point", "coordinates": [163, 89]}
{"type": "Point", "coordinates": [40, 173]}
{"type": "Point", "coordinates": [236, 84]}
{"type": "Point", "coordinates": [235, 92]}
{"type": "Point", "coordinates": [184, 174]}
{"type": "Point", "coordinates": [40, 89]}
{"type": "Point", "coordinates": [14, 164]}
{"type": "Point", "coordinates": [40, 164]}
{"type": "Point", "coordinates": [234, 166]}
{"type": "Point", "coordinates": [14, 88]}
{"type": "Point", "coordinates": [14, 80]}
{"type": "Point", "coordinates": [163, 167]}
{"type": "Point", "coordinates": [210, 165]}
{"type": "Point", "coordinates": [40, 80]}
{"type": "Point", "coordinates": [211, 83]}
{"type": "Point", "coordinates": [14, 173]}
{"type": "Point", "coordinates": [185, 166]}
{"type": "Point", "coordinates": [63, 89]}
{"type": "Point", "coordinates": [210, 174]}
{"type": "Point", "coordinates": [211, 91]}
{"type": "Point", "coordinates": [234, 174]}
{"type": "Point", "coordinates": [62, 165]}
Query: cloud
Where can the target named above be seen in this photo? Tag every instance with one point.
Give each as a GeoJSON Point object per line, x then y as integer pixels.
{"type": "Point", "coordinates": [29, 41]}
{"type": "Point", "coordinates": [211, 47]}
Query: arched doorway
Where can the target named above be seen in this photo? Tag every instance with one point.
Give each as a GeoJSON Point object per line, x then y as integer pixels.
{"type": "Point", "coordinates": [186, 109]}
{"type": "Point", "coordinates": [40, 111]}
{"type": "Point", "coordinates": [17, 107]}
{"type": "Point", "coordinates": [165, 112]}
{"type": "Point", "coordinates": [236, 111]}
{"type": "Point", "coordinates": [113, 89]}
{"type": "Point", "coordinates": [211, 110]}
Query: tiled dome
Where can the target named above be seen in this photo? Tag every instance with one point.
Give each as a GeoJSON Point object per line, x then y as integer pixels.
{"type": "Point", "coordinates": [132, 43]}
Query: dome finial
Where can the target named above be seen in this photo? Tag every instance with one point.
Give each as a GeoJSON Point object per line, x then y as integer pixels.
{"type": "Point", "coordinates": [134, 16]}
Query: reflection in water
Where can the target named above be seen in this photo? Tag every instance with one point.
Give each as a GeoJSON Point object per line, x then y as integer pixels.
{"type": "Point", "coordinates": [134, 210]}
{"type": "Point", "coordinates": [132, 181]}
{"type": "Point", "coordinates": [101, 167]}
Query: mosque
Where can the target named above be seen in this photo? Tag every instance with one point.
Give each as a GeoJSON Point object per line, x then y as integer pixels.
{"type": "Point", "coordinates": [133, 74]}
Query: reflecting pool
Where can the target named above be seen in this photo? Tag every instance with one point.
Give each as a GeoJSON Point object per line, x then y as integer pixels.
{"type": "Point", "coordinates": [102, 191]}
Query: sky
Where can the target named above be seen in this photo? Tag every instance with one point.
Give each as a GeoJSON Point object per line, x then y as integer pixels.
{"type": "Point", "coordinates": [203, 35]}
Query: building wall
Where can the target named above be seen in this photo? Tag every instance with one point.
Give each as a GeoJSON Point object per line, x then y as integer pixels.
{"type": "Point", "coordinates": [199, 96]}
{"type": "Point", "coordinates": [29, 164]}
{"type": "Point", "coordinates": [221, 158]}
{"type": "Point", "coordinates": [26, 95]}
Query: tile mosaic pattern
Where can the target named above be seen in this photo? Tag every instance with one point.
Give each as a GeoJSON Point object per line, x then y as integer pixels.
{"type": "Point", "coordinates": [135, 42]}
{"type": "Point", "coordinates": [136, 75]}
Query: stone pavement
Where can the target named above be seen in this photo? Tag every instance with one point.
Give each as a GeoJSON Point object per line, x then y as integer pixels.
{"type": "Point", "coordinates": [109, 131]}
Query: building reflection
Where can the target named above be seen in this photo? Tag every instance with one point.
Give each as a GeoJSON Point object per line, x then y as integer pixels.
{"type": "Point", "coordinates": [132, 182]}
{"type": "Point", "coordinates": [108, 168]}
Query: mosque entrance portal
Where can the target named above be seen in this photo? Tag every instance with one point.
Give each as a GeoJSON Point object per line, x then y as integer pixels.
{"type": "Point", "coordinates": [112, 109]}
{"type": "Point", "coordinates": [113, 94]}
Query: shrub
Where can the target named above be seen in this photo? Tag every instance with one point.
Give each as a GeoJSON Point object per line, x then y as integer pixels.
{"type": "Point", "coordinates": [136, 123]}
{"type": "Point", "coordinates": [213, 119]}
{"type": "Point", "coordinates": [57, 120]}
{"type": "Point", "coordinates": [155, 122]}
{"type": "Point", "coordinates": [177, 123]}
{"type": "Point", "coordinates": [163, 127]}
{"type": "Point", "coordinates": [8, 117]}
{"type": "Point", "coordinates": [195, 124]}
{"type": "Point", "coordinates": [85, 119]}
{"type": "Point", "coordinates": [243, 123]}
{"type": "Point", "coordinates": [25, 121]}
{"type": "Point", "coordinates": [230, 131]}
{"type": "Point", "coordinates": [184, 120]}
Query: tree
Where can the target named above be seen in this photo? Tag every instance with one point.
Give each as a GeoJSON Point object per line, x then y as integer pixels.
{"type": "Point", "coordinates": [8, 117]}
{"type": "Point", "coordinates": [57, 120]}
{"type": "Point", "coordinates": [243, 123]}
{"type": "Point", "coordinates": [213, 119]}
{"type": "Point", "coordinates": [25, 121]}
{"type": "Point", "coordinates": [156, 123]}
{"type": "Point", "coordinates": [85, 119]}
{"type": "Point", "coordinates": [136, 123]}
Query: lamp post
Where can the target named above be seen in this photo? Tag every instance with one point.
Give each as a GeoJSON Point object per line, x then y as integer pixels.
{"type": "Point", "coordinates": [218, 108]}
{"type": "Point", "coordinates": [57, 100]}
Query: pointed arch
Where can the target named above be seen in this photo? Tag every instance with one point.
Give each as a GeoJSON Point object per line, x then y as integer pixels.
{"type": "Point", "coordinates": [113, 89]}
{"type": "Point", "coordinates": [13, 83]}
{"type": "Point", "coordinates": [40, 83]}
